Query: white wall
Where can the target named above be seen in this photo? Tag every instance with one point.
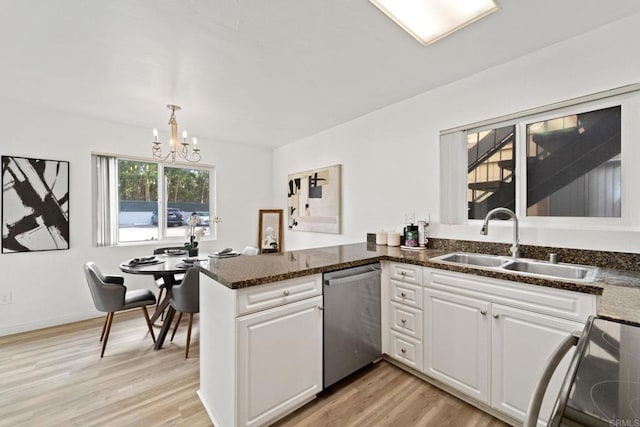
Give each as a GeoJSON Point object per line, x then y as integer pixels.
{"type": "Point", "coordinates": [390, 156]}
{"type": "Point", "coordinates": [49, 288]}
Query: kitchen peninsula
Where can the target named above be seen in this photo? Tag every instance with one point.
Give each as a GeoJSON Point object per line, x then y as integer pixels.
{"type": "Point", "coordinates": [261, 320]}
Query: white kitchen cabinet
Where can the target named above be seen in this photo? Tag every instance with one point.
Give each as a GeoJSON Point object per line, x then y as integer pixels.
{"type": "Point", "coordinates": [402, 313]}
{"type": "Point", "coordinates": [490, 338]}
{"type": "Point", "coordinates": [406, 293]}
{"type": "Point", "coordinates": [406, 350]}
{"type": "Point", "coordinates": [260, 349]}
{"type": "Point", "coordinates": [279, 360]}
{"type": "Point", "coordinates": [521, 343]}
{"type": "Point", "coordinates": [457, 342]}
{"type": "Point", "coordinates": [407, 273]}
{"type": "Point", "coordinates": [257, 298]}
{"type": "Point", "coordinates": [406, 320]}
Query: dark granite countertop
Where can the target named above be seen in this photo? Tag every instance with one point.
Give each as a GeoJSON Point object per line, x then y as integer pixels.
{"type": "Point", "coordinates": [619, 290]}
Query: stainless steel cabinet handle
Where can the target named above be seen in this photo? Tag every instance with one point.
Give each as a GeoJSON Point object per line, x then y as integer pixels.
{"type": "Point", "coordinates": [404, 350]}
{"type": "Point", "coordinates": [403, 321]}
{"type": "Point", "coordinates": [285, 293]}
{"type": "Point", "coordinates": [403, 273]}
{"type": "Point", "coordinates": [403, 294]}
{"type": "Point", "coordinates": [483, 312]}
{"type": "Point", "coordinates": [495, 316]}
{"type": "Point", "coordinates": [320, 308]}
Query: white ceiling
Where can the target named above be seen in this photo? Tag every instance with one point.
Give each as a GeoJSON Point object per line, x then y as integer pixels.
{"type": "Point", "coordinates": [261, 72]}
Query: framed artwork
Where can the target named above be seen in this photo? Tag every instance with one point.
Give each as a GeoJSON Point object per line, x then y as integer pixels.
{"type": "Point", "coordinates": [270, 231]}
{"type": "Point", "coordinates": [35, 204]}
{"type": "Point", "coordinates": [314, 200]}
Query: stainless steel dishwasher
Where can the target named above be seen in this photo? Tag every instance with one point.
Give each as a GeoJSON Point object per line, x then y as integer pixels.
{"type": "Point", "coordinates": [352, 336]}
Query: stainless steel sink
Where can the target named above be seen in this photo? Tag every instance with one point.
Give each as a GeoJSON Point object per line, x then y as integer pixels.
{"type": "Point", "coordinates": [527, 267]}
{"type": "Point", "coordinates": [561, 271]}
{"type": "Point", "coordinates": [479, 260]}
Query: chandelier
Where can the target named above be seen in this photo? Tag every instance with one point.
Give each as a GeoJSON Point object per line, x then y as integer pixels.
{"type": "Point", "coordinates": [177, 149]}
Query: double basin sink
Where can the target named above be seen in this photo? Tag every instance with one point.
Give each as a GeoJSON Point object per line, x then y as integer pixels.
{"type": "Point", "coordinates": [526, 267]}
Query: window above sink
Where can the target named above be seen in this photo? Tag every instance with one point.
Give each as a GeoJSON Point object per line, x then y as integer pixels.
{"type": "Point", "coordinates": [566, 165]}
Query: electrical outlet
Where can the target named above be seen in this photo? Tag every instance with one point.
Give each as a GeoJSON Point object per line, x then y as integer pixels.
{"type": "Point", "coordinates": [5, 298]}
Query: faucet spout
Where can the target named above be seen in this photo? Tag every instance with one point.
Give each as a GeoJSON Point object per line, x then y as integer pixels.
{"type": "Point", "coordinates": [485, 228]}
{"type": "Point", "coordinates": [515, 247]}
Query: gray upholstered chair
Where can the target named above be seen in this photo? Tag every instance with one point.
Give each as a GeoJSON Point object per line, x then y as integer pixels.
{"type": "Point", "coordinates": [110, 295]}
{"type": "Point", "coordinates": [186, 299]}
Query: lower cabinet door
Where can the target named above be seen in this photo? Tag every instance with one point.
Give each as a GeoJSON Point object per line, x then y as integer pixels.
{"type": "Point", "coordinates": [457, 342]}
{"type": "Point", "coordinates": [522, 343]}
{"type": "Point", "coordinates": [406, 349]}
{"type": "Point", "coordinates": [279, 360]}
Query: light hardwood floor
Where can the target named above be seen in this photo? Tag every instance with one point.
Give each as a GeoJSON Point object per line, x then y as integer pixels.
{"type": "Point", "coordinates": [55, 377]}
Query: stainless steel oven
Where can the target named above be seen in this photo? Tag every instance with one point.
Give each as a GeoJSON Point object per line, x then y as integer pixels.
{"type": "Point", "coordinates": [602, 385]}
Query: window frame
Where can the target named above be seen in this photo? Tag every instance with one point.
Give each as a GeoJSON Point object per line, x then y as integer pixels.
{"type": "Point", "coordinates": [521, 172]}
{"type": "Point", "coordinates": [162, 202]}
{"type": "Point", "coordinates": [629, 101]}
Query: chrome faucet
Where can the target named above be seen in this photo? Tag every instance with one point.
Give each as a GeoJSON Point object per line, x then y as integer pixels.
{"type": "Point", "coordinates": [515, 247]}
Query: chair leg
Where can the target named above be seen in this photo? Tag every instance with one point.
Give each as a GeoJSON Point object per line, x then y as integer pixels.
{"type": "Point", "coordinates": [106, 332]}
{"type": "Point", "coordinates": [186, 354]}
{"type": "Point", "coordinates": [104, 327]}
{"type": "Point", "coordinates": [175, 328]}
{"type": "Point", "coordinates": [146, 317]}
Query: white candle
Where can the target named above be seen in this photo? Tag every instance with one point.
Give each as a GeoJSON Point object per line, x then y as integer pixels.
{"type": "Point", "coordinates": [393, 238]}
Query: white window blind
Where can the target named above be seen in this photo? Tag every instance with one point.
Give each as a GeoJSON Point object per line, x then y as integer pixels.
{"type": "Point", "coordinates": [453, 174]}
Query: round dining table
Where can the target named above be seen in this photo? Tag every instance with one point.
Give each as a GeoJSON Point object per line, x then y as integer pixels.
{"type": "Point", "coordinates": [165, 266]}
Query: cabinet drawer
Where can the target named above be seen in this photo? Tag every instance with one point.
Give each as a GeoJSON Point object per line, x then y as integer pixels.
{"type": "Point", "coordinates": [406, 272]}
{"type": "Point", "coordinates": [406, 350]}
{"type": "Point", "coordinates": [407, 320]}
{"type": "Point", "coordinates": [406, 293]}
{"type": "Point", "coordinates": [262, 297]}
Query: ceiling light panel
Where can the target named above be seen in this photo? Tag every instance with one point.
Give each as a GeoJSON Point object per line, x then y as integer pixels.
{"type": "Point", "coordinates": [431, 20]}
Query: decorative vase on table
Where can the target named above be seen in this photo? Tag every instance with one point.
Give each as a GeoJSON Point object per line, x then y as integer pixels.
{"type": "Point", "coordinates": [193, 233]}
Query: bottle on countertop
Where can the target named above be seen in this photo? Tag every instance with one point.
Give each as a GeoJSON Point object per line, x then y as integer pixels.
{"type": "Point", "coordinates": [423, 233]}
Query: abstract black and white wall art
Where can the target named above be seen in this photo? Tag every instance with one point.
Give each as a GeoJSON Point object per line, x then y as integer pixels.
{"type": "Point", "coordinates": [35, 204]}
{"type": "Point", "coordinates": [314, 200]}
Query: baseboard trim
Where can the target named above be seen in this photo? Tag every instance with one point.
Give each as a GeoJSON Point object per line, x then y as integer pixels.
{"type": "Point", "coordinates": [482, 406]}
{"type": "Point", "coordinates": [42, 324]}
{"type": "Point", "coordinates": [212, 416]}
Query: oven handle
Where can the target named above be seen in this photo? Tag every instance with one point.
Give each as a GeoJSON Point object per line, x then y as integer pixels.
{"type": "Point", "coordinates": [531, 419]}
